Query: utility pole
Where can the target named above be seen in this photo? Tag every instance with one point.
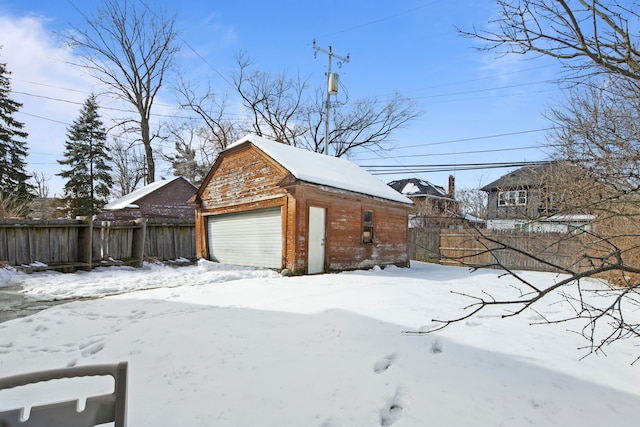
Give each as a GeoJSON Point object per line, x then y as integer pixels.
{"type": "Point", "coordinates": [332, 87]}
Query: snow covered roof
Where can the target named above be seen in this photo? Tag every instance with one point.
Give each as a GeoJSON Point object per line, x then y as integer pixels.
{"type": "Point", "coordinates": [414, 187]}
{"type": "Point", "coordinates": [321, 169]}
{"type": "Point", "coordinates": [128, 201]}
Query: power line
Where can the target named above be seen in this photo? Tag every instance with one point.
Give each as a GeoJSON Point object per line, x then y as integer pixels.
{"type": "Point", "coordinates": [476, 138]}
{"type": "Point", "coordinates": [499, 135]}
{"type": "Point", "coordinates": [430, 168]}
{"type": "Point", "coordinates": [43, 118]}
{"type": "Point", "coordinates": [383, 19]}
{"type": "Point", "coordinates": [466, 92]}
{"type": "Point", "coordinates": [493, 150]}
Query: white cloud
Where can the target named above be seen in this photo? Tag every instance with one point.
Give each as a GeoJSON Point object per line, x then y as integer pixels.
{"type": "Point", "coordinates": [50, 89]}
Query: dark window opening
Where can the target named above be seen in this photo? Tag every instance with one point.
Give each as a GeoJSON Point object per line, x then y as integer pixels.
{"type": "Point", "coordinates": [367, 227]}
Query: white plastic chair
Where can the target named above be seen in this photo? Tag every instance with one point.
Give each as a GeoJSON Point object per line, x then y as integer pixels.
{"type": "Point", "coordinates": [98, 410]}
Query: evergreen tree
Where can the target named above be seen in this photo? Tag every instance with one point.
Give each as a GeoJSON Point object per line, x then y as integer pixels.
{"type": "Point", "coordinates": [13, 148]}
{"type": "Point", "coordinates": [184, 163]}
{"type": "Point", "coordinates": [88, 175]}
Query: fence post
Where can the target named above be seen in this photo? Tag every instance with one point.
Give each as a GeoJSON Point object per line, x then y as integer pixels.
{"type": "Point", "coordinates": [139, 235]}
{"type": "Point", "coordinates": [85, 242]}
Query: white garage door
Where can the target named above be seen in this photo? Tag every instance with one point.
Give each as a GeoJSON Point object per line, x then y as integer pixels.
{"type": "Point", "coordinates": [251, 238]}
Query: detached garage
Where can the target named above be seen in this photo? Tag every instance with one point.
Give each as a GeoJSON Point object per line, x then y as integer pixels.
{"type": "Point", "coordinates": [267, 204]}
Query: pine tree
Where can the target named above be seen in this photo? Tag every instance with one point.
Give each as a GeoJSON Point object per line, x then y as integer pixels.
{"type": "Point", "coordinates": [13, 149]}
{"type": "Point", "coordinates": [184, 163]}
{"type": "Point", "coordinates": [88, 176]}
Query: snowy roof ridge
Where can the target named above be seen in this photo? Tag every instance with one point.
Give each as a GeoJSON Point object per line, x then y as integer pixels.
{"type": "Point", "coordinates": [321, 169]}
{"type": "Point", "coordinates": [128, 200]}
{"type": "Point", "coordinates": [417, 187]}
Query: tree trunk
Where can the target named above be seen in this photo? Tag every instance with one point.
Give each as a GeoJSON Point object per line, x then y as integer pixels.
{"type": "Point", "coordinates": [148, 151]}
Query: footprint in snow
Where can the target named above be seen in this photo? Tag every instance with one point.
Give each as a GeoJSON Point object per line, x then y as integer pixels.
{"type": "Point", "coordinates": [392, 410]}
{"type": "Point", "coordinates": [383, 364]}
{"type": "Point", "coordinates": [436, 346]}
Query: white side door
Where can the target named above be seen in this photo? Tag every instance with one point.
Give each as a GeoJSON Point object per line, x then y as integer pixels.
{"type": "Point", "coordinates": [316, 246]}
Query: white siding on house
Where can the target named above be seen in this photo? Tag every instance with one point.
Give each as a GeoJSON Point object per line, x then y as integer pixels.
{"type": "Point", "coordinates": [504, 224]}
{"type": "Point", "coordinates": [252, 238]}
{"type": "Point", "coordinates": [554, 224]}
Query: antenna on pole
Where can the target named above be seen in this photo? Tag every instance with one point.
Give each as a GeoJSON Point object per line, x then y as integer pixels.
{"type": "Point", "coordinates": [332, 86]}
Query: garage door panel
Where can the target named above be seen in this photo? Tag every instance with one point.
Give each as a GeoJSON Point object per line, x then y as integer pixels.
{"type": "Point", "coordinates": [251, 238]}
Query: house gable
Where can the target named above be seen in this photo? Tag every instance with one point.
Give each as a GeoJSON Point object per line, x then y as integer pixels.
{"type": "Point", "coordinates": [241, 175]}
{"type": "Point", "coordinates": [169, 201]}
{"type": "Point", "coordinates": [517, 196]}
{"type": "Point", "coordinates": [160, 199]}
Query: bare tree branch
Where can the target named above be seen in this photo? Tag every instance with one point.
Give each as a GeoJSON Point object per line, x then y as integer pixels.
{"type": "Point", "coordinates": [586, 35]}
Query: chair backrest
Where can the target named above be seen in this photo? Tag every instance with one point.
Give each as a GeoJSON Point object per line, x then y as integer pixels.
{"type": "Point", "coordinates": [98, 410]}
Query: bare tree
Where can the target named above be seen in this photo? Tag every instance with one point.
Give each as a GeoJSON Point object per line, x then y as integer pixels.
{"type": "Point", "coordinates": [472, 201]}
{"type": "Point", "coordinates": [274, 103]}
{"type": "Point", "coordinates": [218, 129]}
{"type": "Point", "coordinates": [278, 107]}
{"type": "Point", "coordinates": [366, 123]}
{"type": "Point", "coordinates": [40, 183]}
{"type": "Point", "coordinates": [597, 128]}
{"type": "Point", "coordinates": [130, 48]}
{"type": "Point", "coordinates": [597, 141]}
{"type": "Point", "coordinates": [128, 166]}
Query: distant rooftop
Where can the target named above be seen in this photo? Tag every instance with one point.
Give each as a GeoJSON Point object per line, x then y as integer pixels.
{"type": "Point", "coordinates": [414, 187]}
{"type": "Point", "coordinates": [526, 176]}
{"type": "Point", "coordinates": [128, 201]}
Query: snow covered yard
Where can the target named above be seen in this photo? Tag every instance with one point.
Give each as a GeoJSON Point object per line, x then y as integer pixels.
{"type": "Point", "coordinates": [228, 346]}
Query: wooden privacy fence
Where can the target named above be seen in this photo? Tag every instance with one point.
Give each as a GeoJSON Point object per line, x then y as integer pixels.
{"type": "Point", "coordinates": [68, 245]}
{"type": "Point", "coordinates": [169, 239]}
{"type": "Point", "coordinates": [491, 248]}
{"type": "Point", "coordinates": [424, 244]}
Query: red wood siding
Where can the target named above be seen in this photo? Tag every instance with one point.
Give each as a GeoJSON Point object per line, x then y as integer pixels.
{"type": "Point", "coordinates": [244, 176]}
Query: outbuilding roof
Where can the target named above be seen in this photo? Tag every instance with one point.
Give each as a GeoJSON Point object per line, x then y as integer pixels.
{"type": "Point", "coordinates": [415, 187]}
{"type": "Point", "coordinates": [321, 169]}
{"type": "Point", "coordinates": [128, 201]}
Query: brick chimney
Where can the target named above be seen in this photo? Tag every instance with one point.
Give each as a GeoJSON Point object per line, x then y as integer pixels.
{"type": "Point", "coordinates": [452, 187]}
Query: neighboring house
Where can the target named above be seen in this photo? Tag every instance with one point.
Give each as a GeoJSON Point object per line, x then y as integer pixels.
{"type": "Point", "coordinates": [427, 196]}
{"type": "Point", "coordinates": [46, 208]}
{"type": "Point", "coordinates": [431, 202]}
{"type": "Point", "coordinates": [160, 199]}
{"type": "Point", "coordinates": [525, 199]}
{"type": "Point", "coordinates": [272, 205]}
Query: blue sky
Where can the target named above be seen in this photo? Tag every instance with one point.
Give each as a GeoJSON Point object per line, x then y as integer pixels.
{"type": "Point", "coordinates": [478, 107]}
